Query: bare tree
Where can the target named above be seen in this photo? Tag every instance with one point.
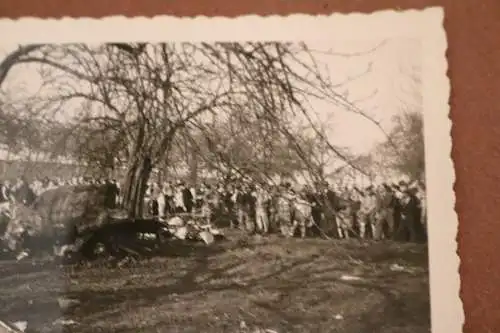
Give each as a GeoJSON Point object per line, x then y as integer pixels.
{"type": "Point", "coordinates": [145, 94]}
{"type": "Point", "coordinates": [136, 101]}
{"type": "Point", "coordinates": [409, 136]}
{"type": "Point", "coordinates": [13, 58]}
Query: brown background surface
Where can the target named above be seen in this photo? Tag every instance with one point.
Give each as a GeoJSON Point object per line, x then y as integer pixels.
{"type": "Point", "coordinates": [474, 69]}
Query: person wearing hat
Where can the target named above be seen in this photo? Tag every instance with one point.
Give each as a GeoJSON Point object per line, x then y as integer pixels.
{"type": "Point", "coordinates": [409, 210]}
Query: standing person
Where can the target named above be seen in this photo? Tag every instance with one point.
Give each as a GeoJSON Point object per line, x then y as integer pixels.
{"type": "Point", "coordinates": [397, 210]}
{"type": "Point", "coordinates": [423, 207]}
{"type": "Point", "coordinates": [147, 199]}
{"type": "Point", "coordinates": [112, 194]}
{"type": "Point", "coordinates": [383, 220]}
{"type": "Point", "coordinates": [179, 205]}
{"type": "Point", "coordinates": [354, 199]}
{"type": "Point", "coordinates": [389, 203]}
{"type": "Point", "coordinates": [272, 208]}
{"type": "Point", "coordinates": [240, 204]}
{"type": "Point", "coordinates": [284, 211]}
{"type": "Point", "coordinates": [200, 196]}
{"type": "Point", "coordinates": [245, 203]}
{"type": "Point", "coordinates": [410, 214]}
{"type": "Point", "coordinates": [330, 203]}
{"type": "Point", "coordinates": [154, 195]}
{"type": "Point", "coordinates": [161, 199]}
{"type": "Point", "coordinates": [187, 198]}
{"type": "Point", "coordinates": [219, 201]}
{"type": "Point", "coordinates": [216, 198]}
{"type": "Point", "coordinates": [23, 192]}
{"type": "Point", "coordinates": [169, 199]}
{"type": "Point", "coordinates": [416, 191]}
{"type": "Point", "coordinates": [345, 218]}
{"type": "Point", "coordinates": [235, 218]}
{"type": "Point", "coordinates": [207, 206]}
{"type": "Point", "coordinates": [251, 206]}
{"type": "Point", "coordinates": [359, 219]}
{"type": "Point", "coordinates": [262, 199]}
{"type": "Point", "coordinates": [314, 199]}
{"type": "Point", "coordinates": [301, 213]}
{"type": "Point", "coordinates": [228, 204]}
{"type": "Point", "coordinates": [366, 210]}
{"type": "Point", "coordinates": [119, 197]}
{"type": "Point", "coordinates": [194, 198]}
{"type": "Point", "coordinates": [347, 208]}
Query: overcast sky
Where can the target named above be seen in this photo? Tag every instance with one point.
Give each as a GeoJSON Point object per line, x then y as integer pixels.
{"type": "Point", "coordinates": [382, 91]}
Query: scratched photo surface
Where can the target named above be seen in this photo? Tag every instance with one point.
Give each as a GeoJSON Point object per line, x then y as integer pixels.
{"type": "Point", "coordinates": [214, 175]}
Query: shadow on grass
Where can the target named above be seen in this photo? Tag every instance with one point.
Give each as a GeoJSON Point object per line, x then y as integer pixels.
{"type": "Point", "coordinates": [198, 271]}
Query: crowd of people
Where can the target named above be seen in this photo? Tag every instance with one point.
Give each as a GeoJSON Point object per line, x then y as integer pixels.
{"type": "Point", "coordinates": [391, 211]}
{"type": "Point", "coordinates": [378, 211]}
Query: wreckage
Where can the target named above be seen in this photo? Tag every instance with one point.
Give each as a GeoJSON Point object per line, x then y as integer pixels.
{"type": "Point", "coordinates": [79, 220]}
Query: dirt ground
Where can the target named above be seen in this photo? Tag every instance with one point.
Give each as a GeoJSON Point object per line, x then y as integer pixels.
{"type": "Point", "coordinates": [239, 285]}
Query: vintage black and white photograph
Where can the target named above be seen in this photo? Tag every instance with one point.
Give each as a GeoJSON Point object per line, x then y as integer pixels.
{"type": "Point", "coordinates": [226, 181]}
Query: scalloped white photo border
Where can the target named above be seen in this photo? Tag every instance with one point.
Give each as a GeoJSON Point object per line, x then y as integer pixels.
{"type": "Point", "coordinates": [427, 24]}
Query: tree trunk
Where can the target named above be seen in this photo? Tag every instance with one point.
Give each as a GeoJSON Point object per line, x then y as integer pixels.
{"type": "Point", "coordinates": [11, 59]}
{"type": "Point", "coordinates": [135, 186]}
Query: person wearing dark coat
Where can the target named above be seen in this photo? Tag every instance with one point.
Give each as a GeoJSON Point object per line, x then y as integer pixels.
{"type": "Point", "coordinates": [24, 194]}
{"type": "Point", "coordinates": [187, 197]}
{"type": "Point", "coordinates": [314, 200]}
{"type": "Point", "coordinates": [112, 193]}
{"type": "Point", "coordinates": [330, 209]}
{"type": "Point", "coordinates": [409, 210]}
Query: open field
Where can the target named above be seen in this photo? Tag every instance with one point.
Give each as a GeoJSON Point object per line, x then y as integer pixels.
{"type": "Point", "coordinates": [285, 285]}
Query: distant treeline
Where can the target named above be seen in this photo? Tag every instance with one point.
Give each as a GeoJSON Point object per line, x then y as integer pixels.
{"type": "Point", "coordinates": [13, 169]}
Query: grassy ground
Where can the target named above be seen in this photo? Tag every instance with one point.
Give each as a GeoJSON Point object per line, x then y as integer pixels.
{"type": "Point", "coordinates": [236, 286]}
